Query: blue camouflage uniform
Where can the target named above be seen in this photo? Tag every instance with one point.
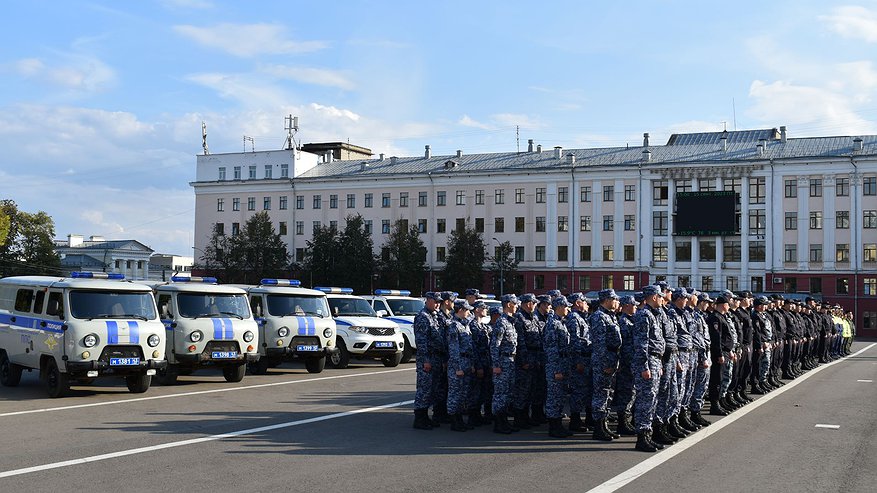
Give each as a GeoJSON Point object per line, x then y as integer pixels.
{"type": "Point", "coordinates": [581, 377]}
{"type": "Point", "coordinates": [623, 396]}
{"type": "Point", "coordinates": [648, 350]}
{"type": "Point", "coordinates": [558, 357]}
{"type": "Point", "coordinates": [605, 343]}
{"type": "Point", "coordinates": [430, 348]}
{"type": "Point", "coordinates": [667, 388]}
{"type": "Point", "coordinates": [460, 358]}
{"type": "Point", "coordinates": [701, 340]}
{"type": "Point", "coordinates": [503, 348]}
{"type": "Point", "coordinates": [682, 320]}
{"type": "Point", "coordinates": [480, 389]}
{"type": "Point", "coordinates": [529, 350]}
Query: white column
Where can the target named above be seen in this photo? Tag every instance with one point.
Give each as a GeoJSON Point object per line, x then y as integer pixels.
{"type": "Point", "coordinates": [803, 223]}
{"type": "Point", "coordinates": [573, 222]}
{"type": "Point", "coordinates": [856, 222]}
{"type": "Point", "coordinates": [618, 243]}
{"type": "Point", "coordinates": [671, 250]}
{"type": "Point", "coordinates": [744, 233]}
{"type": "Point", "coordinates": [597, 224]}
{"type": "Point", "coordinates": [829, 222]}
{"type": "Point", "coordinates": [551, 225]}
{"type": "Point", "coordinates": [719, 282]}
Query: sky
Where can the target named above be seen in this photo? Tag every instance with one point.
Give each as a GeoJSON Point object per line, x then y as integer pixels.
{"type": "Point", "coordinates": [102, 101]}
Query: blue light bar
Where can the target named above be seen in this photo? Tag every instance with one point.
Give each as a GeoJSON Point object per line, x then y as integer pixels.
{"type": "Point", "coordinates": [334, 290]}
{"type": "Point", "coordinates": [392, 292]}
{"type": "Point", "coordinates": [280, 282]}
{"type": "Point", "coordinates": [96, 275]}
{"type": "Point", "coordinates": [488, 296]}
{"type": "Point", "coordinates": [206, 280]}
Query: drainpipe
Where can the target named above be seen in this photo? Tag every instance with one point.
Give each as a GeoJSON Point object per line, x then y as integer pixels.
{"type": "Point", "coordinates": [855, 233]}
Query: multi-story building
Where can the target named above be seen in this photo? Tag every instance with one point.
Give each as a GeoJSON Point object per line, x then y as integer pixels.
{"type": "Point", "coordinates": [805, 218]}
{"type": "Point", "coordinates": [128, 257]}
{"type": "Point", "coordinates": [162, 266]}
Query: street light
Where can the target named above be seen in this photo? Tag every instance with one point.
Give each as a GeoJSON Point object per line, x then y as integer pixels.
{"type": "Point", "coordinates": [501, 269]}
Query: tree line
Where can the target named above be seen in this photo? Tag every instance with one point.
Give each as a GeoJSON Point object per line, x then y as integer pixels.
{"type": "Point", "coordinates": [27, 242]}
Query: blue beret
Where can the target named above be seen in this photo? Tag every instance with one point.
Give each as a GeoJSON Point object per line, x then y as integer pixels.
{"type": "Point", "coordinates": [607, 294]}
{"type": "Point", "coordinates": [651, 289]}
{"type": "Point", "coordinates": [628, 300]}
{"type": "Point", "coordinates": [528, 297]}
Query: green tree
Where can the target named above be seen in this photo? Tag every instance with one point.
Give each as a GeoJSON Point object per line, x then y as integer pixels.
{"type": "Point", "coordinates": [504, 269]}
{"type": "Point", "coordinates": [321, 254]}
{"type": "Point", "coordinates": [29, 248]}
{"type": "Point", "coordinates": [259, 251]}
{"type": "Point", "coordinates": [216, 257]}
{"type": "Point", "coordinates": [464, 265]}
{"type": "Point", "coordinates": [356, 264]}
{"type": "Point", "coordinates": [403, 259]}
{"type": "Point", "coordinates": [4, 227]}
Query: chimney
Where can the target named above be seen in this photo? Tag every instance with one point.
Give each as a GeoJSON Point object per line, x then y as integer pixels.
{"type": "Point", "coordinates": [459, 153]}
{"type": "Point", "coordinates": [571, 158]}
{"type": "Point", "coordinates": [858, 145]}
{"type": "Point", "coordinates": [529, 145]}
{"type": "Point", "coordinates": [381, 156]}
{"type": "Point", "coordinates": [393, 160]}
{"type": "Point", "coordinates": [759, 149]}
{"type": "Point", "coordinates": [647, 155]}
{"type": "Point", "coordinates": [783, 134]}
{"type": "Point", "coordinates": [363, 166]}
{"type": "Point", "coordinates": [74, 240]}
{"type": "Point", "coordinates": [426, 152]}
{"type": "Point", "coordinates": [558, 152]}
{"type": "Point", "coordinates": [646, 139]}
{"type": "Point", "coordinates": [539, 148]}
{"type": "Point", "coordinates": [97, 238]}
{"type": "Point", "coordinates": [724, 140]}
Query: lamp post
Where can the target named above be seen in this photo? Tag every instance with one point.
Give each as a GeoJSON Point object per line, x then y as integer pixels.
{"type": "Point", "coordinates": [501, 269]}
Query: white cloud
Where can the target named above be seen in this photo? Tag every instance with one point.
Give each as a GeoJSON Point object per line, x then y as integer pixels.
{"type": "Point", "coordinates": [853, 22]}
{"type": "Point", "coordinates": [79, 73]}
{"type": "Point", "coordinates": [815, 108]}
{"type": "Point", "coordinates": [310, 75]}
{"type": "Point", "coordinates": [334, 113]}
{"type": "Point", "coordinates": [248, 40]}
{"type": "Point", "coordinates": [466, 121]}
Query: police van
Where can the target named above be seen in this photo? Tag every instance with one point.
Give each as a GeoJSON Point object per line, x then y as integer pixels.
{"type": "Point", "coordinates": [294, 323]}
{"type": "Point", "coordinates": [361, 333]}
{"type": "Point", "coordinates": [205, 325]}
{"type": "Point", "coordinates": [79, 328]}
{"type": "Point", "coordinates": [398, 306]}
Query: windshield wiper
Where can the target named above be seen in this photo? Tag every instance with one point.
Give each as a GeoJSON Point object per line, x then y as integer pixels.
{"type": "Point", "coordinates": [232, 314]}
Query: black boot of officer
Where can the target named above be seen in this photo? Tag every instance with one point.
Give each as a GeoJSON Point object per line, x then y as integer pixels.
{"type": "Point", "coordinates": [576, 423]}
{"type": "Point", "coordinates": [601, 431]}
{"type": "Point", "coordinates": [644, 443]}
{"type": "Point", "coordinates": [421, 419]}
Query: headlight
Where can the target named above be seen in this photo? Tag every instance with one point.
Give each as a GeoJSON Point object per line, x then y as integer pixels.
{"type": "Point", "coordinates": [248, 336]}
{"type": "Point", "coordinates": [90, 340]}
{"type": "Point", "coordinates": [283, 331]}
{"type": "Point", "coordinates": [196, 336]}
{"type": "Point", "coordinates": [327, 333]}
{"type": "Point", "coordinates": [153, 340]}
{"type": "Point", "coordinates": [358, 328]}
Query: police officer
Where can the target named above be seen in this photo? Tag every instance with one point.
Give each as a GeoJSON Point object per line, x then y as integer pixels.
{"type": "Point", "coordinates": [605, 344]}
{"type": "Point", "coordinates": [623, 396]}
{"type": "Point", "coordinates": [679, 317]}
{"type": "Point", "coordinates": [721, 353]}
{"type": "Point", "coordinates": [461, 367]}
{"type": "Point", "coordinates": [648, 350]}
{"type": "Point", "coordinates": [444, 315]}
{"type": "Point", "coordinates": [700, 338]}
{"type": "Point", "coordinates": [503, 350]}
{"type": "Point", "coordinates": [667, 387]}
{"type": "Point", "coordinates": [762, 337]}
{"type": "Point", "coordinates": [581, 380]}
{"type": "Point", "coordinates": [558, 352]}
{"type": "Point", "coordinates": [480, 388]}
{"type": "Point", "coordinates": [529, 349]}
{"type": "Point", "coordinates": [430, 350]}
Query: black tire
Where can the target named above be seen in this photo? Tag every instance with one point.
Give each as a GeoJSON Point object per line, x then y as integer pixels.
{"type": "Point", "coordinates": [341, 359]}
{"type": "Point", "coordinates": [167, 376]}
{"type": "Point", "coordinates": [408, 352]}
{"type": "Point", "coordinates": [234, 373]}
{"type": "Point", "coordinates": [57, 383]}
{"type": "Point", "coordinates": [392, 360]}
{"type": "Point", "coordinates": [138, 384]}
{"type": "Point", "coordinates": [259, 367]}
{"type": "Point", "coordinates": [10, 373]}
{"type": "Point", "coordinates": [315, 365]}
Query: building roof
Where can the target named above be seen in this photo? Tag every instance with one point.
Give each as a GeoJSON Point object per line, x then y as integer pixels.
{"type": "Point", "coordinates": [680, 149]}
{"type": "Point", "coordinates": [133, 245]}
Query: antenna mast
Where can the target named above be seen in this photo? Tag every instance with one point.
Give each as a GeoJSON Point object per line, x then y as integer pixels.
{"type": "Point", "coordinates": [291, 127]}
{"type": "Point", "coordinates": [252, 143]}
{"type": "Point", "coordinates": [518, 137]}
{"type": "Point", "coordinates": [204, 138]}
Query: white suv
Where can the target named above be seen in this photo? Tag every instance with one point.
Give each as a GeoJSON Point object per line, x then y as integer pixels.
{"type": "Point", "coordinates": [398, 306]}
{"type": "Point", "coordinates": [361, 332]}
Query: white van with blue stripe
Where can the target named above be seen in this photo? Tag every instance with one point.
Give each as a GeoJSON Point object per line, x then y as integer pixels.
{"type": "Point", "coordinates": [77, 329]}
{"type": "Point", "coordinates": [398, 306]}
{"type": "Point", "coordinates": [361, 333]}
{"type": "Point", "coordinates": [294, 323]}
{"type": "Point", "coordinates": [207, 325]}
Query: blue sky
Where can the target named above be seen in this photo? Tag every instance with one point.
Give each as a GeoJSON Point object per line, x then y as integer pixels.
{"type": "Point", "coordinates": [102, 101]}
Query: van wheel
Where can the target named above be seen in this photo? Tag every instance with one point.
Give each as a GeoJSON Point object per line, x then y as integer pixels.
{"type": "Point", "coordinates": [10, 373]}
{"type": "Point", "coordinates": [139, 383]}
{"type": "Point", "coordinates": [392, 360]}
{"type": "Point", "coordinates": [315, 365]}
{"type": "Point", "coordinates": [341, 358]}
{"type": "Point", "coordinates": [408, 352]}
{"type": "Point", "coordinates": [168, 376]}
{"type": "Point", "coordinates": [234, 373]}
{"type": "Point", "coordinates": [57, 383]}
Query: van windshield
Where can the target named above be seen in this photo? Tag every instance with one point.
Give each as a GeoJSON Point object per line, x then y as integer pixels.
{"type": "Point", "coordinates": [211, 305]}
{"type": "Point", "coordinates": [297, 306]}
{"type": "Point", "coordinates": [111, 304]}
{"type": "Point", "coordinates": [351, 307]}
{"type": "Point", "coordinates": [405, 307]}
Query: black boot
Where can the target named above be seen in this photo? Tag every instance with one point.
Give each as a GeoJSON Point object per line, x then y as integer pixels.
{"type": "Point", "coordinates": [697, 418]}
{"type": "Point", "coordinates": [521, 420]}
{"type": "Point", "coordinates": [625, 427]}
{"type": "Point", "coordinates": [576, 423]}
{"type": "Point", "coordinates": [601, 431]}
{"type": "Point", "coordinates": [457, 423]}
{"type": "Point", "coordinates": [537, 415]}
{"type": "Point", "coordinates": [659, 435]}
{"type": "Point", "coordinates": [757, 389]}
{"type": "Point", "coordinates": [716, 408]}
{"type": "Point", "coordinates": [440, 415]}
{"type": "Point", "coordinates": [742, 394]}
{"type": "Point", "coordinates": [475, 418]}
{"type": "Point", "coordinates": [674, 430]}
{"type": "Point", "coordinates": [589, 419]}
{"type": "Point", "coordinates": [556, 429]}
{"type": "Point", "coordinates": [487, 417]}
{"type": "Point", "coordinates": [686, 423]}
{"type": "Point", "coordinates": [421, 419]}
{"type": "Point", "coordinates": [650, 437]}
{"type": "Point", "coordinates": [501, 424]}
{"type": "Point", "coordinates": [609, 431]}
{"type": "Point", "coordinates": [644, 444]}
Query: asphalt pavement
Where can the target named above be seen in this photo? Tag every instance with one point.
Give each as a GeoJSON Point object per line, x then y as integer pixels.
{"type": "Point", "coordinates": [350, 430]}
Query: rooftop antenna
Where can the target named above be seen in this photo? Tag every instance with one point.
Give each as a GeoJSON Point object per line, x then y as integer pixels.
{"type": "Point", "coordinates": [204, 138]}
{"type": "Point", "coordinates": [252, 143]}
{"type": "Point", "coordinates": [291, 127]}
{"type": "Point", "coordinates": [724, 126]}
{"type": "Point", "coordinates": [518, 137]}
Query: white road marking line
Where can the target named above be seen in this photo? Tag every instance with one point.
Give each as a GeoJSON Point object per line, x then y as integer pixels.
{"type": "Point", "coordinates": [198, 392]}
{"type": "Point", "coordinates": [865, 381]}
{"type": "Point", "coordinates": [659, 458]}
{"type": "Point", "coordinates": [830, 427]}
{"type": "Point", "coordinates": [193, 441]}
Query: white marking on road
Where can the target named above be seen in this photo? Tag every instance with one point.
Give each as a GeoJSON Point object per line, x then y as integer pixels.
{"type": "Point", "coordinates": [193, 441]}
{"type": "Point", "coordinates": [865, 381]}
{"type": "Point", "coordinates": [830, 427]}
{"type": "Point", "coordinates": [199, 392]}
{"type": "Point", "coordinates": [659, 458]}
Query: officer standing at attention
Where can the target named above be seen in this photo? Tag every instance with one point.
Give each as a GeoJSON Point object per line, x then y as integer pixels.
{"type": "Point", "coordinates": [461, 367]}
{"type": "Point", "coordinates": [430, 348]}
{"type": "Point", "coordinates": [558, 352]}
{"type": "Point", "coordinates": [472, 295]}
{"type": "Point", "coordinates": [623, 396]}
{"type": "Point", "coordinates": [581, 380]}
{"type": "Point", "coordinates": [481, 357]}
{"type": "Point", "coordinates": [529, 347]}
{"type": "Point", "coordinates": [605, 344]}
{"type": "Point", "coordinates": [648, 350]}
{"type": "Point", "coordinates": [762, 326]}
{"type": "Point", "coordinates": [721, 351]}
{"type": "Point", "coordinates": [537, 403]}
{"type": "Point", "coordinates": [503, 348]}
{"type": "Point", "coordinates": [700, 338]}
{"type": "Point", "coordinates": [444, 315]}
{"type": "Point", "coordinates": [667, 388]}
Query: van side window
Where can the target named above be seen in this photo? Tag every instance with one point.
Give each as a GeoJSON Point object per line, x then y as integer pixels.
{"type": "Point", "coordinates": [164, 300]}
{"type": "Point", "coordinates": [23, 300]}
{"type": "Point", "coordinates": [38, 304]}
{"type": "Point", "coordinates": [55, 307]}
{"type": "Point", "coordinates": [256, 306]}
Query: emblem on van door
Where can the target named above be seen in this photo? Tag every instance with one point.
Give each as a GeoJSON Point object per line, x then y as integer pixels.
{"type": "Point", "coordinates": [51, 342]}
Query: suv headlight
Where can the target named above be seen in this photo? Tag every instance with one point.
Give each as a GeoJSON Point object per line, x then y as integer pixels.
{"type": "Point", "coordinates": [153, 340]}
{"type": "Point", "coordinates": [282, 332]}
{"type": "Point", "coordinates": [248, 336]}
{"type": "Point", "coordinates": [196, 336]}
{"type": "Point", "coordinates": [327, 333]}
{"type": "Point", "coordinates": [359, 328]}
{"type": "Point", "coordinates": [90, 340]}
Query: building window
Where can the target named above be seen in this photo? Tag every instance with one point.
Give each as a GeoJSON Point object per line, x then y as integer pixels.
{"type": "Point", "coordinates": [284, 170]}
{"type": "Point", "coordinates": [235, 228]}
{"type": "Point", "coordinates": [629, 253]}
{"type": "Point", "coordinates": [421, 226]}
{"type": "Point", "coordinates": [842, 187]}
{"type": "Point", "coordinates": [683, 251]}
{"type": "Point", "coordinates": [479, 224]}
{"type": "Point", "coordinates": [284, 202]}
{"type": "Point", "coordinates": [316, 226]}
{"type": "Point", "coordinates": [252, 172]}
{"type": "Point", "coordinates": [842, 220]}
{"type": "Point", "coordinates": [421, 199]}
{"type": "Point", "coordinates": [757, 190]}
{"type": "Point", "coordinates": [351, 201]}
{"type": "Point", "coordinates": [816, 187]}
{"type": "Point", "coordinates": [791, 189]}
{"type": "Point", "coordinates": [562, 195]}
{"type": "Point", "coordinates": [540, 224]}
{"type": "Point", "coordinates": [585, 194]}
{"type": "Point", "coordinates": [791, 285]}
{"type": "Point", "coordinates": [403, 199]}
{"type": "Point", "coordinates": [842, 285]}
{"type": "Point", "coordinates": [440, 225]}
{"type": "Point", "coordinates": [870, 286]}
{"type": "Point", "coordinates": [869, 185]}
{"type": "Point", "coordinates": [731, 250]}
{"type": "Point", "coordinates": [368, 201]}
{"type": "Point", "coordinates": [237, 172]}
{"type": "Point", "coordinates": [584, 283]}
{"type": "Point", "coordinates": [790, 253]}
{"type": "Point", "coordinates": [461, 197]}
{"type": "Point", "coordinates": [870, 252]}
{"type": "Point", "coordinates": [629, 222]}
{"type": "Point", "coordinates": [815, 220]}
{"type": "Point", "coordinates": [561, 282]}
{"type": "Point", "coordinates": [608, 193]}
{"type": "Point", "coordinates": [629, 193]}
{"type": "Point", "coordinates": [461, 224]}
{"type": "Point", "coordinates": [368, 227]}
{"type": "Point", "coordinates": [707, 283]}
{"type": "Point", "coordinates": [585, 223]}
{"type": "Point", "coordinates": [441, 198]}
{"type": "Point", "coordinates": [299, 202]}
{"type": "Point", "coordinates": [519, 254]}
{"type": "Point", "coordinates": [499, 196]}
{"type": "Point", "coordinates": [440, 254]}
{"type": "Point", "coordinates": [683, 186]}
{"type": "Point", "coordinates": [659, 251]}
{"type": "Point", "coordinates": [870, 220]}
{"type": "Point", "coordinates": [660, 223]}
{"type": "Point", "coordinates": [220, 205]}
{"type": "Point", "coordinates": [731, 283]}
{"type": "Point", "coordinates": [757, 284]}
{"type": "Point", "coordinates": [540, 254]}
{"type": "Point", "coordinates": [757, 222]}
{"type": "Point", "coordinates": [519, 195]}
{"type": "Point", "coordinates": [816, 252]}
{"type": "Point", "coordinates": [236, 204]}
{"type": "Point", "coordinates": [281, 228]}
{"type": "Point", "coordinates": [219, 228]}
{"type": "Point", "coordinates": [540, 195]}
{"type": "Point", "coordinates": [606, 281]}
{"type": "Point", "coordinates": [519, 224]}
{"type": "Point", "coordinates": [299, 227]}
{"type": "Point", "coordinates": [659, 192]}
{"type": "Point", "coordinates": [706, 184]}
{"type": "Point", "coordinates": [251, 203]}
{"type": "Point", "coordinates": [562, 253]}
{"type": "Point", "coordinates": [707, 250]}
{"type": "Point", "coordinates": [222, 173]}
{"type": "Point", "coordinates": [333, 201]}
{"type": "Point", "coordinates": [539, 281]}
{"type": "Point", "coordinates": [268, 171]}
{"type": "Point", "coordinates": [266, 203]}
{"type": "Point", "coordinates": [385, 200]}
{"type": "Point", "coordinates": [584, 253]}
{"type": "Point", "coordinates": [791, 221]}
{"type": "Point", "coordinates": [683, 281]}
{"type": "Point", "coordinates": [842, 252]}
{"type": "Point", "coordinates": [608, 223]}
{"type": "Point", "coordinates": [333, 225]}
{"type": "Point", "coordinates": [318, 201]}
{"type": "Point", "coordinates": [479, 197]}
{"type": "Point", "coordinates": [757, 252]}
{"type": "Point", "coordinates": [385, 226]}
{"type": "Point", "coordinates": [608, 253]}
{"type": "Point", "coordinates": [562, 223]}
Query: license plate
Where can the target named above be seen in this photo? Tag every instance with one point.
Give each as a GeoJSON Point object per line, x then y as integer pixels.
{"type": "Point", "coordinates": [307, 348]}
{"type": "Point", "coordinates": [388, 344]}
{"type": "Point", "coordinates": [224, 354]}
{"type": "Point", "coordinates": [124, 361]}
